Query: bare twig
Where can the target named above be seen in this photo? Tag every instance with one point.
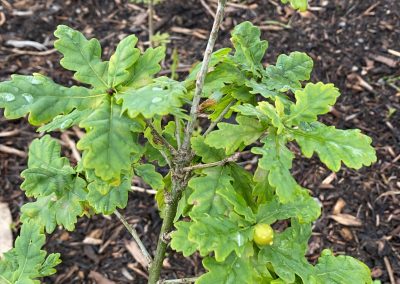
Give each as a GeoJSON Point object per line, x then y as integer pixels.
{"type": "Point", "coordinates": [389, 270]}
{"type": "Point", "coordinates": [151, 23]}
{"type": "Point", "coordinates": [13, 151]}
{"type": "Point", "coordinates": [230, 159]}
{"type": "Point", "coordinates": [72, 145]}
{"type": "Point", "coordinates": [178, 281]}
{"type": "Point", "coordinates": [219, 118]}
{"type": "Point", "coordinates": [10, 133]}
{"type": "Point", "coordinates": [141, 189]}
{"type": "Point", "coordinates": [135, 236]}
{"type": "Point", "coordinates": [201, 76]}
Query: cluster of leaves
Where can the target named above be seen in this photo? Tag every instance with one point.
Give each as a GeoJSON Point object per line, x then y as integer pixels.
{"type": "Point", "coordinates": [124, 111]}
{"type": "Point", "coordinates": [225, 203]}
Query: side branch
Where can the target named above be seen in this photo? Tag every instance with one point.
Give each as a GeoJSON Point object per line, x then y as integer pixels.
{"type": "Point", "coordinates": [176, 281]}
{"type": "Point", "coordinates": [219, 118]}
{"type": "Point", "coordinates": [160, 139]}
{"type": "Point", "coordinates": [135, 236]}
{"type": "Point", "coordinates": [230, 159]}
{"type": "Point", "coordinates": [201, 76]}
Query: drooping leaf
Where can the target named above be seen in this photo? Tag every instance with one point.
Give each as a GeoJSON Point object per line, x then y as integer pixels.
{"type": "Point", "coordinates": [286, 254]}
{"type": "Point", "coordinates": [180, 239]}
{"type": "Point", "coordinates": [233, 270]}
{"type": "Point", "coordinates": [63, 122]}
{"type": "Point", "coordinates": [232, 136]}
{"type": "Point", "coordinates": [120, 62]}
{"type": "Point", "coordinates": [204, 198]}
{"type": "Point", "coordinates": [238, 202]}
{"type": "Point", "coordinates": [147, 65]}
{"type": "Point", "coordinates": [27, 261]}
{"type": "Point", "coordinates": [249, 49]}
{"type": "Point", "coordinates": [208, 154]}
{"type": "Point", "coordinates": [314, 100]}
{"type": "Point", "coordinates": [47, 171]}
{"type": "Point", "coordinates": [148, 173]}
{"type": "Point", "coordinates": [277, 159]}
{"type": "Point", "coordinates": [289, 71]}
{"type": "Point", "coordinates": [340, 269]}
{"type": "Point", "coordinates": [335, 146]}
{"type": "Point", "coordinates": [162, 97]}
{"type": "Point", "coordinates": [41, 98]}
{"type": "Point", "coordinates": [220, 235]}
{"type": "Point", "coordinates": [304, 208]}
{"type": "Point", "coordinates": [58, 209]}
{"type": "Point", "coordinates": [109, 141]}
{"type": "Point", "coordinates": [82, 56]}
{"type": "Point", "coordinates": [105, 197]}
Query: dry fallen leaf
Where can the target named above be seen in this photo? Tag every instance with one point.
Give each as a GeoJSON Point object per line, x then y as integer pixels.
{"type": "Point", "coordinates": [339, 205]}
{"type": "Point", "coordinates": [6, 238]}
{"type": "Point", "coordinates": [347, 220]}
{"type": "Point", "coordinates": [137, 254]}
{"type": "Point", "coordinates": [100, 279]}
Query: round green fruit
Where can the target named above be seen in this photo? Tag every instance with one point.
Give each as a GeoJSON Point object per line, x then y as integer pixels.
{"type": "Point", "coordinates": [263, 235]}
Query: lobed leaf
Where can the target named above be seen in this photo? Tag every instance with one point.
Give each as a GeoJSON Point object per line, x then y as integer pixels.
{"type": "Point", "coordinates": [340, 269]}
{"type": "Point", "coordinates": [313, 100]}
{"type": "Point", "coordinates": [109, 141]}
{"type": "Point", "coordinates": [180, 239]}
{"type": "Point", "coordinates": [41, 98]}
{"type": "Point", "coordinates": [122, 60]}
{"type": "Point", "coordinates": [82, 56]}
{"type": "Point", "coordinates": [63, 122]}
{"type": "Point", "coordinates": [335, 146]}
{"type": "Point", "coordinates": [148, 173]}
{"type": "Point", "coordinates": [249, 49]}
{"type": "Point", "coordinates": [233, 136]}
{"type": "Point", "coordinates": [289, 71]}
{"type": "Point", "coordinates": [160, 98]}
{"type": "Point", "coordinates": [105, 197]}
{"type": "Point", "coordinates": [277, 159]}
{"type": "Point", "coordinates": [27, 261]}
{"type": "Point", "coordinates": [300, 5]}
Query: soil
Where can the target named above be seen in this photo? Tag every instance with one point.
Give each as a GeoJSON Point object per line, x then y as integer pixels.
{"type": "Point", "coordinates": [355, 45]}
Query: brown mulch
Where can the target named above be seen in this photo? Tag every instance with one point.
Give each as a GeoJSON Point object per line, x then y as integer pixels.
{"type": "Point", "coordinates": [355, 45]}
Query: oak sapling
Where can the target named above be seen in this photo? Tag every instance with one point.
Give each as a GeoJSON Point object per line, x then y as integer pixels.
{"type": "Point", "coordinates": [209, 203]}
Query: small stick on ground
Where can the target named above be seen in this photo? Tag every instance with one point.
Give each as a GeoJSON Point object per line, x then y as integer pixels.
{"type": "Point", "coordinates": [12, 151]}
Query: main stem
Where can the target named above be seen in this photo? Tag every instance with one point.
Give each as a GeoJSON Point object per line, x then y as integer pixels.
{"type": "Point", "coordinates": [183, 157]}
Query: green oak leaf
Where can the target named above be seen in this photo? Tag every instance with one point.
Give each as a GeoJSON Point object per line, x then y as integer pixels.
{"type": "Point", "coordinates": [41, 98]}
{"type": "Point", "coordinates": [288, 72]}
{"type": "Point", "coordinates": [249, 49]}
{"type": "Point", "coordinates": [220, 235]}
{"type": "Point", "coordinates": [148, 173]}
{"type": "Point", "coordinates": [304, 208]}
{"type": "Point", "coordinates": [180, 239]}
{"type": "Point", "coordinates": [286, 254]}
{"type": "Point", "coordinates": [300, 5]}
{"type": "Point", "coordinates": [58, 209]}
{"type": "Point", "coordinates": [105, 197]}
{"type": "Point", "coordinates": [271, 113]}
{"type": "Point", "coordinates": [82, 56]}
{"type": "Point", "coordinates": [233, 270]}
{"type": "Point", "coordinates": [27, 261]}
{"type": "Point", "coordinates": [146, 66]}
{"type": "Point", "coordinates": [121, 61]}
{"type": "Point", "coordinates": [313, 100]}
{"type": "Point", "coordinates": [340, 269]}
{"type": "Point", "coordinates": [162, 97]}
{"type": "Point", "coordinates": [205, 198]}
{"type": "Point", "coordinates": [223, 74]}
{"type": "Point", "coordinates": [63, 122]}
{"type": "Point", "coordinates": [335, 146]}
{"type": "Point", "coordinates": [238, 202]}
{"type": "Point", "coordinates": [47, 171]}
{"type": "Point", "coordinates": [277, 159]}
{"type": "Point", "coordinates": [233, 136]}
{"type": "Point", "coordinates": [109, 141]}
{"type": "Point", "coordinates": [208, 154]}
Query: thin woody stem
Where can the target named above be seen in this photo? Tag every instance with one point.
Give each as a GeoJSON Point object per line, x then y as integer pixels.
{"type": "Point", "coordinates": [150, 22]}
{"type": "Point", "coordinates": [230, 159]}
{"type": "Point", "coordinates": [135, 236]}
{"type": "Point", "coordinates": [161, 139]}
{"type": "Point", "coordinates": [201, 76]}
{"type": "Point", "coordinates": [219, 118]}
